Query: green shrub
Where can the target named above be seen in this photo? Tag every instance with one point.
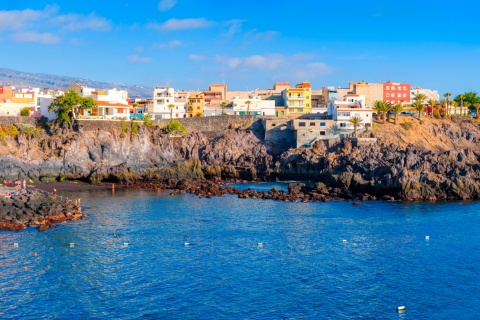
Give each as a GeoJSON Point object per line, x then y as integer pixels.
{"type": "Point", "coordinates": [134, 128]}
{"type": "Point", "coordinates": [174, 126]}
{"type": "Point", "coordinates": [25, 112]}
{"type": "Point", "coordinates": [123, 124]}
{"type": "Point", "coordinates": [29, 130]}
{"type": "Point", "coordinates": [406, 125]}
{"type": "Point", "coordinates": [147, 120]}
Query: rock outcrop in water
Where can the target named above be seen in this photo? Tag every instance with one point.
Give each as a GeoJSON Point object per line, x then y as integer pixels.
{"type": "Point", "coordinates": [30, 208]}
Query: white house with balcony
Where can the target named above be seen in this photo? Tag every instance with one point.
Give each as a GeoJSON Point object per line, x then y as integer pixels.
{"type": "Point", "coordinates": [165, 96]}
{"type": "Point", "coordinates": [353, 105]}
{"type": "Point", "coordinates": [257, 106]}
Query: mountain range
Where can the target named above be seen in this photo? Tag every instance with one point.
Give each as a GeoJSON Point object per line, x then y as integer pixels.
{"type": "Point", "coordinates": [39, 80]}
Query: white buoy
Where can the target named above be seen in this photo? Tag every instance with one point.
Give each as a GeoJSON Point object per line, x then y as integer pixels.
{"type": "Point", "coordinates": [125, 244]}
{"type": "Point", "coordinates": [15, 245]}
{"type": "Point", "coordinates": [401, 309]}
{"type": "Point", "coordinates": [260, 244]}
{"type": "Point", "coordinates": [427, 237]}
{"type": "Point", "coordinates": [187, 244]}
{"type": "Point", "coordinates": [72, 244]}
{"type": "Point", "coordinates": [344, 241]}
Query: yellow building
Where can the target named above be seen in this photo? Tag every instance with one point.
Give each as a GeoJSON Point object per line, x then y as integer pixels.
{"type": "Point", "coordinates": [23, 97]}
{"type": "Point", "coordinates": [298, 100]}
{"type": "Point", "coordinates": [196, 105]}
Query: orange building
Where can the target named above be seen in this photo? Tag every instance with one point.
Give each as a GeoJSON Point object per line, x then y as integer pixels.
{"type": "Point", "coordinates": [396, 92]}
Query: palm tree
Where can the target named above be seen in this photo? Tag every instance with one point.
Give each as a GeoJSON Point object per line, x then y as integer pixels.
{"type": "Point", "coordinates": [420, 97]}
{"type": "Point", "coordinates": [447, 95]}
{"type": "Point", "coordinates": [223, 104]}
{"type": "Point", "coordinates": [419, 107]}
{"type": "Point", "coordinates": [432, 104]}
{"type": "Point", "coordinates": [380, 107]}
{"type": "Point", "coordinates": [388, 109]}
{"type": "Point", "coordinates": [248, 103]}
{"type": "Point", "coordinates": [461, 97]}
{"type": "Point", "coordinates": [454, 104]}
{"type": "Point", "coordinates": [477, 107]}
{"type": "Point", "coordinates": [171, 106]}
{"type": "Point", "coordinates": [356, 121]}
{"type": "Point", "coordinates": [397, 108]}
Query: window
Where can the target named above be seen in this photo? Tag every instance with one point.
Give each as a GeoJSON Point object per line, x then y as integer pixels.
{"type": "Point", "coordinates": [343, 124]}
{"type": "Point", "coordinates": [198, 108]}
{"type": "Point", "coordinates": [393, 95]}
{"type": "Point", "coordinates": [282, 113]}
{"type": "Point", "coordinates": [388, 87]}
{"type": "Point", "coordinates": [322, 124]}
{"type": "Point", "coordinates": [176, 115]}
{"type": "Point", "coordinates": [322, 133]}
{"type": "Point", "coordinates": [274, 124]}
{"type": "Point", "coordinates": [404, 88]}
{"type": "Point", "coordinates": [344, 114]}
{"type": "Point", "coordinates": [308, 105]}
{"type": "Point", "coordinates": [387, 95]}
{"type": "Point", "coordinates": [404, 95]}
{"type": "Point", "coordinates": [399, 88]}
{"type": "Point", "coordinates": [308, 97]}
{"type": "Point", "coordinates": [312, 124]}
{"type": "Point", "coordinates": [357, 115]}
{"type": "Point", "coordinates": [301, 124]}
{"type": "Point", "coordinates": [300, 110]}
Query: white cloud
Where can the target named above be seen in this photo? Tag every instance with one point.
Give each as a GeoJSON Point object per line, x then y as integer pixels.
{"type": "Point", "coordinates": [234, 27]}
{"type": "Point", "coordinates": [297, 67]}
{"type": "Point", "coordinates": [45, 38]}
{"type": "Point", "coordinates": [137, 59]}
{"type": "Point", "coordinates": [18, 20]}
{"type": "Point", "coordinates": [259, 62]}
{"type": "Point", "coordinates": [168, 45]}
{"type": "Point", "coordinates": [181, 24]}
{"type": "Point", "coordinates": [77, 22]}
{"type": "Point", "coordinates": [196, 57]}
{"type": "Point", "coordinates": [165, 5]}
{"type": "Point", "coordinates": [255, 36]}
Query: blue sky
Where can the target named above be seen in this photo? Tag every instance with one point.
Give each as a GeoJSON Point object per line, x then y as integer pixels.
{"type": "Point", "coordinates": [247, 44]}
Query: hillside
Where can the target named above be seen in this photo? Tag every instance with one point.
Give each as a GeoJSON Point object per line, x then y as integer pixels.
{"type": "Point", "coordinates": [39, 80]}
{"type": "Point", "coordinates": [435, 135]}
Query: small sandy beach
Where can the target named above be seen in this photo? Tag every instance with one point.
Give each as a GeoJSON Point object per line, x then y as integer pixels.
{"type": "Point", "coordinates": [70, 186]}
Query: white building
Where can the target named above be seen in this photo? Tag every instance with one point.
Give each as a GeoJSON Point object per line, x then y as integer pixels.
{"type": "Point", "coordinates": [257, 106]}
{"type": "Point", "coordinates": [43, 104]}
{"type": "Point", "coordinates": [352, 106]}
{"type": "Point", "coordinates": [431, 94]}
{"type": "Point", "coordinates": [165, 96]}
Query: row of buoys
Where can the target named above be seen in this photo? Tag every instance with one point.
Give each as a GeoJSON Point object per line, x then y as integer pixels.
{"type": "Point", "coordinates": [125, 244]}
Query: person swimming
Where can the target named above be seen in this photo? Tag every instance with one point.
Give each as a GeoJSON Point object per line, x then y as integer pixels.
{"type": "Point", "coordinates": [115, 235]}
{"type": "Point", "coordinates": [184, 237]}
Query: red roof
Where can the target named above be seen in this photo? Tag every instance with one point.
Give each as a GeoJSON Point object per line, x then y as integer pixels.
{"type": "Point", "coordinates": [111, 104]}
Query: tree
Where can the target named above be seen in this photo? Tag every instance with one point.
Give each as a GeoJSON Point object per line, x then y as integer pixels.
{"type": "Point", "coordinates": [432, 104]}
{"type": "Point", "coordinates": [454, 104]}
{"type": "Point", "coordinates": [460, 98]}
{"type": "Point", "coordinates": [447, 95]}
{"type": "Point", "coordinates": [171, 106]}
{"type": "Point", "coordinates": [397, 108]}
{"type": "Point", "coordinates": [223, 104]}
{"type": "Point", "coordinates": [381, 108]}
{"type": "Point", "coordinates": [147, 120]}
{"type": "Point", "coordinates": [476, 106]}
{"type": "Point", "coordinates": [248, 103]}
{"type": "Point", "coordinates": [419, 107]}
{"type": "Point", "coordinates": [356, 121]}
{"type": "Point", "coordinates": [420, 97]}
{"type": "Point", "coordinates": [25, 112]}
{"type": "Point", "coordinates": [69, 105]}
{"type": "Point", "coordinates": [174, 126]}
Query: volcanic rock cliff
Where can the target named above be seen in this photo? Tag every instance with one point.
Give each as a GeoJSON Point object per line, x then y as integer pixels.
{"type": "Point", "coordinates": [435, 159]}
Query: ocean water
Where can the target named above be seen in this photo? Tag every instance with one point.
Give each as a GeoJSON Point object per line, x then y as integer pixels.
{"type": "Point", "coordinates": [304, 270]}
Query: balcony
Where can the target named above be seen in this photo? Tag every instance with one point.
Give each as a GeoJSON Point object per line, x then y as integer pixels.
{"type": "Point", "coordinates": [295, 97]}
{"type": "Point", "coordinates": [159, 95]}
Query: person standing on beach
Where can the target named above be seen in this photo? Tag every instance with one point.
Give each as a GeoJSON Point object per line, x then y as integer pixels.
{"type": "Point", "coordinates": [24, 184]}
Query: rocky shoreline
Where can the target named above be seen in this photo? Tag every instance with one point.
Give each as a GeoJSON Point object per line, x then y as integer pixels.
{"type": "Point", "coordinates": [31, 208]}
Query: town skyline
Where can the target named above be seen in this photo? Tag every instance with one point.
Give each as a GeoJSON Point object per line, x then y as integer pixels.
{"type": "Point", "coordinates": [188, 47]}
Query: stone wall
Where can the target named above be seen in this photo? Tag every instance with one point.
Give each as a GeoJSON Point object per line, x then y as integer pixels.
{"type": "Point", "coordinates": [219, 123]}
{"type": "Point", "coordinates": [360, 142]}
{"type": "Point", "coordinates": [18, 120]}
{"type": "Point", "coordinates": [279, 136]}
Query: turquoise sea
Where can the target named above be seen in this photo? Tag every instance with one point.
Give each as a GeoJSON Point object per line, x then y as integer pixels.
{"type": "Point", "coordinates": [303, 270]}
